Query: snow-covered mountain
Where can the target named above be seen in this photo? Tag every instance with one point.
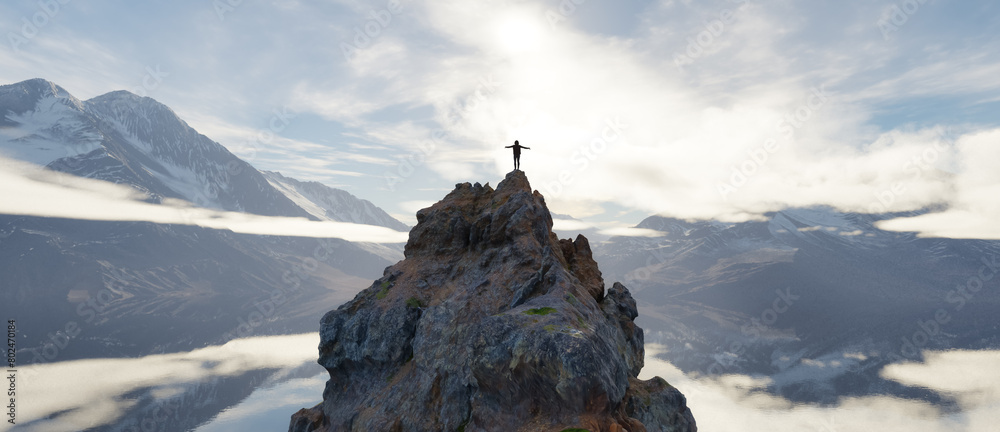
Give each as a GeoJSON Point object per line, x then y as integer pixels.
{"type": "Point", "coordinates": [134, 287]}
{"type": "Point", "coordinates": [41, 122]}
{"type": "Point", "coordinates": [124, 138]}
{"type": "Point", "coordinates": [327, 203]}
{"type": "Point", "coordinates": [816, 299]}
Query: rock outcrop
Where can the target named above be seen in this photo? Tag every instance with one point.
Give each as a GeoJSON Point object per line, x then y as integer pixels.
{"type": "Point", "coordinates": [490, 323]}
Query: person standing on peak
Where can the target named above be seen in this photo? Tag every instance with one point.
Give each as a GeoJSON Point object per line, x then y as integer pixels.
{"type": "Point", "coordinates": [517, 153]}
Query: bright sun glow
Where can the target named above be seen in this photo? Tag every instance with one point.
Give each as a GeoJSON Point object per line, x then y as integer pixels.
{"type": "Point", "coordinates": [518, 34]}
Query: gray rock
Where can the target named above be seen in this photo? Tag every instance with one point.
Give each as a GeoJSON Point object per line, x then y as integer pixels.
{"type": "Point", "coordinates": [491, 323]}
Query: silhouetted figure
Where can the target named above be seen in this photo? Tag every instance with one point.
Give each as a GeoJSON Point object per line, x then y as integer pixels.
{"type": "Point", "coordinates": [517, 154]}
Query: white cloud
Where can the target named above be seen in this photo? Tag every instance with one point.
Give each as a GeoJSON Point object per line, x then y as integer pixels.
{"type": "Point", "coordinates": [66, 196]}
{"type": "Point", "coordinates": [90, 392]}
{"type": "Point", "coordinates": [491, 72]}
{"type": "Point", "coordinates": [415, 206]}
{"type": "Point", "coordinates": [974, 206]}
{"type": "Point", "coordinates": [691, 140]}
{"type": "Point", "coordinates": [969, 376]}
{"type": "Point", "coordinates": [83, 66]}
{"type": "Point", "coordinates": [631, 232]}
{"type": "Point", "coordinates": [267, 149]}
{"type": "Point", "coordinates": [569, 225]}
{"type": "Point", "coordinates": [738, 403]}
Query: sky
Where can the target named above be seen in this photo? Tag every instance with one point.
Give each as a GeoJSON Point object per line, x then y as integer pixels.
{"type": "Point", "coordinates": [723, 109]}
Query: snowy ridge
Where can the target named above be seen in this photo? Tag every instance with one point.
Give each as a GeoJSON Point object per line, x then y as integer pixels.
{"type": "Point", "coordinates": [816, 299]}
{"type": "Point", "coordinates": [124, 138]}
{"type": "Point", "coordinates": [186, 161]}
{"type": "Point", "coordinates": [327, 203]}
{"type": "Point", "coordinates": [52, 127]}
{"type": "Point", "coordinates": [822, 226]}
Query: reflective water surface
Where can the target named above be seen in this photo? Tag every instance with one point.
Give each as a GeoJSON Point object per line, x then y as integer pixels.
{"type": "Point", "coordinates": [256, 384]}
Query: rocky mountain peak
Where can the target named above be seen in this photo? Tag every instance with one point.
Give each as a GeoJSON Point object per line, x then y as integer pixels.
{"type": "Point", "coordinates": [151, 123]}
{"type": "Point", "coordinates": [37, 87]}
{"type": "Point", "coordinates": [490, 323]}
{"type": "Point", "coordinates": [122, 104]}
{"type": "Point", "coordinates": [24, 96]}
{"type": "Point", "coordinates": [477, 217]}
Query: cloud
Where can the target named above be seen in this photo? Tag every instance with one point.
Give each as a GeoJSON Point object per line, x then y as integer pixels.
{"type": "Point", "coordinates": [726, 403]}
{"type": "Point", "coordinates": [561, 224]}
{"type": "Point", "coordinates": [631, 232]}
{"type": "Point", "coordinates": [69, 390]}
{"type": "Point", "coordinates": [79, 64]}
{"type": "Point", "coordinates": [415, 206]}
{"type": "Point", "coordinates": [971, 377]}
{"type": "Point", "coordinates": [302, 159]}
{"type": "Point", "coordinates": [697, 89]}
{"type": "Point", "coordinates": [973, 206]}
{"type": "Point", "coordinates": [959, 224]}
{"type": "Point", "coordinates": [738, 403]}
{"type": "Point", "coordinates": [774, 113]}
{"type": "Point", "coordinates": [32, 191]}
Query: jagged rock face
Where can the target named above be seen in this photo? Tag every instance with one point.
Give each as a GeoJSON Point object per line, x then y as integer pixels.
{"type": "Point", "coordinates": [491, 323]}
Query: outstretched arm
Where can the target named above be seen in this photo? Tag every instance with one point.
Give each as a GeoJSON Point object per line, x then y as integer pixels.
{"type": "Point", "coordinates": [509, 147]}
{"type": "Point", "coordinates": [529, 148]}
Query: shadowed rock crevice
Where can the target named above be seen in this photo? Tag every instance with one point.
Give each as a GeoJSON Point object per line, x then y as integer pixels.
{"type": "Point", "coordinates": [491, 323]}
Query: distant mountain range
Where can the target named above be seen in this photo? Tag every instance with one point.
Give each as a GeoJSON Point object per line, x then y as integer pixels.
{"type": "Point", "coordinates": [124, 138]}
{"type": "Point", "coordinates": [327, 203]}
{"type": "Point", "coordinates": [816, 299]}
{"type": "Point", "coordinates": [132, 288]}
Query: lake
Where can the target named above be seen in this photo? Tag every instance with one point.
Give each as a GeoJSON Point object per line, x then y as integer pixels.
{"type": "Point", "coordinates": [256, 384]}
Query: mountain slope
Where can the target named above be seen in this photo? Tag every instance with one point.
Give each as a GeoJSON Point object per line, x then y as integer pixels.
{"type": "Point", "coordinates": [124, 138]}
{"type": "Point", "coordinates": [818, 300]}
{"type": "Point", "coordinates": [134, 288]}
{"type": "Point", "coordinates": [42, 122]}
{"type": "Point", "coordinates": [327, 203]}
